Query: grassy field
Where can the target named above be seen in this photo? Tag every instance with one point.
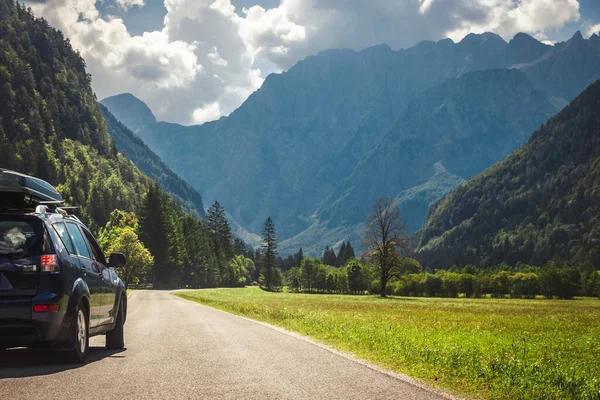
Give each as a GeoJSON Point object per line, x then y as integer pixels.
{"type": "Point", "coordinates": [482, 348]}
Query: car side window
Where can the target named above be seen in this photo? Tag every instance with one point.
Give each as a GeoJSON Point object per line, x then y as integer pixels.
{"type": "Point", "coordinates": [81, 247]}
{"type": "Point", "coordinates": [96, 250]}
{"type": "Point", "coordinates": [61, 229]}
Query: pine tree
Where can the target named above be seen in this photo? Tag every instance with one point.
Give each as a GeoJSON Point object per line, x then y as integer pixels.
{"type": "Point", "coordinates": [269, 253]}
{"type": "Point", "coordinates": [349, 253]}
{"type": "Point", "coordinates": [345, 254]}
{"type": "Point", "coordinates": [154, 235]}
{"type": "Point", "coordinates": [329, 257]}
{"type": "Point", "coordinates": [341, 256]}
{"type": "Point", "coordinates": [298, 257]}
{"type": "Point", "coordinates": [216, 220]}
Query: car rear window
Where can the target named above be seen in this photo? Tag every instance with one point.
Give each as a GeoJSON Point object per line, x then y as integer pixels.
{"type": "Point", "coordinates": [81, 247]}
{"type": "Point", "coordinates": [20, 238]}
{"type": "Point", "coordinates": [61, 229]}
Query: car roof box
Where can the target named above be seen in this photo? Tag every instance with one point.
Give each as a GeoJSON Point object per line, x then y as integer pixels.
{"type": "Point", "coordinates": [30, 189]}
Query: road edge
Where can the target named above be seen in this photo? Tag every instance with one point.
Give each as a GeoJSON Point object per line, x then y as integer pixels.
{"type": "Point", "coordinates": [348, 356]}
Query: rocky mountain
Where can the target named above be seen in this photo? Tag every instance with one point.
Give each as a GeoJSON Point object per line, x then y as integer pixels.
{"type": "Point", "coordinates": [461, 126]}
{"type": "Point", "coordinates": [150, 164]}
{"type": "Point", "coordinates": [315, 145]}
{"type": "Point", "coordinates": [540, 203]}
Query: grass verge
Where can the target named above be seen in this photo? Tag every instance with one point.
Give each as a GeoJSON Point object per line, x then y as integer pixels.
{"type": "Point", "coordinates": [484, 348]}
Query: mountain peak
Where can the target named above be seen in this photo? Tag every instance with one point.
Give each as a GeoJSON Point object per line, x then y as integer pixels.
{"type": "Point", "coordinates": [524, 48]}
{"type": "Point", "coordinates": [480, 38]}
{"type": "Point", "coordinates": [523, 38]}
{"type": "Point", "coordinates": [577, 36]}
{"type": "Point", "coordinates": [130, 110]}
{"type": "Point", "coordinates": [487, 42]}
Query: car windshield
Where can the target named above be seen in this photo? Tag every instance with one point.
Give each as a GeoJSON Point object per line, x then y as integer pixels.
{"type": "Point", "coordinates": [20, 238]}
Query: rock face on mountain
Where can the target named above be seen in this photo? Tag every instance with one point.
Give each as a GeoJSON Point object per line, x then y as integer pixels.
{"type": "Point", "coordinates": [133, 113]}
{"type": "Point", "coordinates": [463, 125]}
{"type": "Point", "coordinates": [314, 146]}
{"type": "Point", "coordinates": [540, 203]}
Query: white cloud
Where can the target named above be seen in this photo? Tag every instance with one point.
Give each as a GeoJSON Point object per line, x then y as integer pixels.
{"type": "Point", "coordinates": [200, 66]}
{"type": "Point", "coordinates": [508, 17]}
{"type": "Point", "coordinates": [197, 61]}
{"type": "Point", "coordinates": [207, 113]}
{"type": "Point", "coordinates": [591, 29]}
{"type": "Point", "coordinates": [127, 4]}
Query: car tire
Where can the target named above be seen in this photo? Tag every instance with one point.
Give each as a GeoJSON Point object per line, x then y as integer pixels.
{"type": "Point", "coordinates": [115, 338]}
{"type": "Point", "coordinates": [79, 338]}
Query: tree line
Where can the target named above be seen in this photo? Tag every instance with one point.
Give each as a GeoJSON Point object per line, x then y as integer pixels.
{"type": "Point", "coordinates": [171, 248]}
{"type": "Point", "coordinates": [176, 249]}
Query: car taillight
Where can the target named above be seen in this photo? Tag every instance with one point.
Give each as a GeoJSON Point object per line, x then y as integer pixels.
{"type": "Point", "coordinates": [49, 263]}
{"type": "Point", "coordinates": [46, 308]}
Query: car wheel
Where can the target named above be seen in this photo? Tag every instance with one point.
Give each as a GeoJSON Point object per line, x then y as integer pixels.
{"type": "Point", "coordinates": [115, 339]}
{"type": "Point", "coordinates": [79, 339]}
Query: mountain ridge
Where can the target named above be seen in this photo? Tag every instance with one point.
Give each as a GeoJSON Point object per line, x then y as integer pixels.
{"type": "Point", "coordinates": [539, 203]}
{"type": "Point", "coordinates": [285, 152]}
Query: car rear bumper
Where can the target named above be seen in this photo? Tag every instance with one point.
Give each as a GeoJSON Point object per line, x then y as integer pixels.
{"type": "Point", "coordinates": [20, 326]}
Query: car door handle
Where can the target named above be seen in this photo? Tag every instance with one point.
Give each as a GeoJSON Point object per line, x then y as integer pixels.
{"type": "Point", "coordinates": [83, 270]}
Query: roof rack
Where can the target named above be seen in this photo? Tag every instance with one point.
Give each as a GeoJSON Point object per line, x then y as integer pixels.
{"type": "Point", "coordinates": [32, 190]}
{"type": "Point", "coordinates": [23, 192]}
{"type": "Point", "coordinates": [46, 207]}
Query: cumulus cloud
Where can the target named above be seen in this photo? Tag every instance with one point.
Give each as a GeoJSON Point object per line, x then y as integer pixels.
{"type": "Point", "coordinates": [127, 4]}
{"type": "Point", "coordinates": [507, 17]}
{"type": "Point", "coordinates": [591, 29]}
{"type": "Point", "coordinates": [195, 69]}
{"type": "Point", "coordinates": [202, 64]}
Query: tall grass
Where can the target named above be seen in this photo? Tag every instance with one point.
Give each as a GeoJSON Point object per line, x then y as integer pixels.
{"type": "Point", "coordinates": [486, 348]}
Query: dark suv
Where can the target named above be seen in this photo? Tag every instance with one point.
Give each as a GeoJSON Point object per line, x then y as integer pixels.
{"type": "Point", "coordinates": [56, 287]}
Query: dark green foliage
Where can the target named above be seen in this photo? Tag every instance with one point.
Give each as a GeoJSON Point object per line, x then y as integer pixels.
{"type": "Point", "coordinates": [345, 254]}
{"type": "Point", "coordinates": [357, 281]}
{"type": "Point", "coordinates": [149, 163]}
{"type": "Point", "coordinates": [154, 232]}
{"type": "Point", "coordinates": [329, 257]}
{"type": "Point", "coordinates": [216, 220]}
{"type": "Point", "coordinates": [315, 276]}
{"type": "Point", "coordinates": [50, 123]}
{"type": "Point", "coordinates": [298, 257]}
{"type": "Point", "coordinates": [200, 268]}
{"type": "Point", "coordinates": [541, 203]}
{"type": "Point", "coordinates": [187, 252]}
{"type": "Point", "coordinates": [522, 282]}
{"type": "Point", "coordinates": [271, 273]}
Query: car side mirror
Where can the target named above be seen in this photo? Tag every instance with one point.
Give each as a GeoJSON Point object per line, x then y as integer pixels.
{"type": "Point", "coordinates": [116, 260]}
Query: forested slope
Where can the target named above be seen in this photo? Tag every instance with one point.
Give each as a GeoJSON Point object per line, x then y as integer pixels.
{"type": "Point", "coordinates": [149, 163]}
{"type": "Point", "coordinates": [51, 126]}
{"type": "Point", "coordinates": [50, 122]}
{"type": "Point", "coordinates": [540, 203]}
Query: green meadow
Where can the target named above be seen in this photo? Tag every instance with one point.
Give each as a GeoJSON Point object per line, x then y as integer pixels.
{"type": "Point", "coordinates": [477, 348]}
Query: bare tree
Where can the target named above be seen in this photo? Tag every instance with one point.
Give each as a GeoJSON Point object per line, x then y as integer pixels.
{"type": "Point", "coordinates": [384, 238]}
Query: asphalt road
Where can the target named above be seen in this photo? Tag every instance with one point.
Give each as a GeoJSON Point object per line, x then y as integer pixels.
{"type": "Point", "coordinates": [179, 349]}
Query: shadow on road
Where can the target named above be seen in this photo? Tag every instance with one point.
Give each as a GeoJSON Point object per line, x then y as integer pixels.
{"type": "Point", "coordinates": [19, 363]}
